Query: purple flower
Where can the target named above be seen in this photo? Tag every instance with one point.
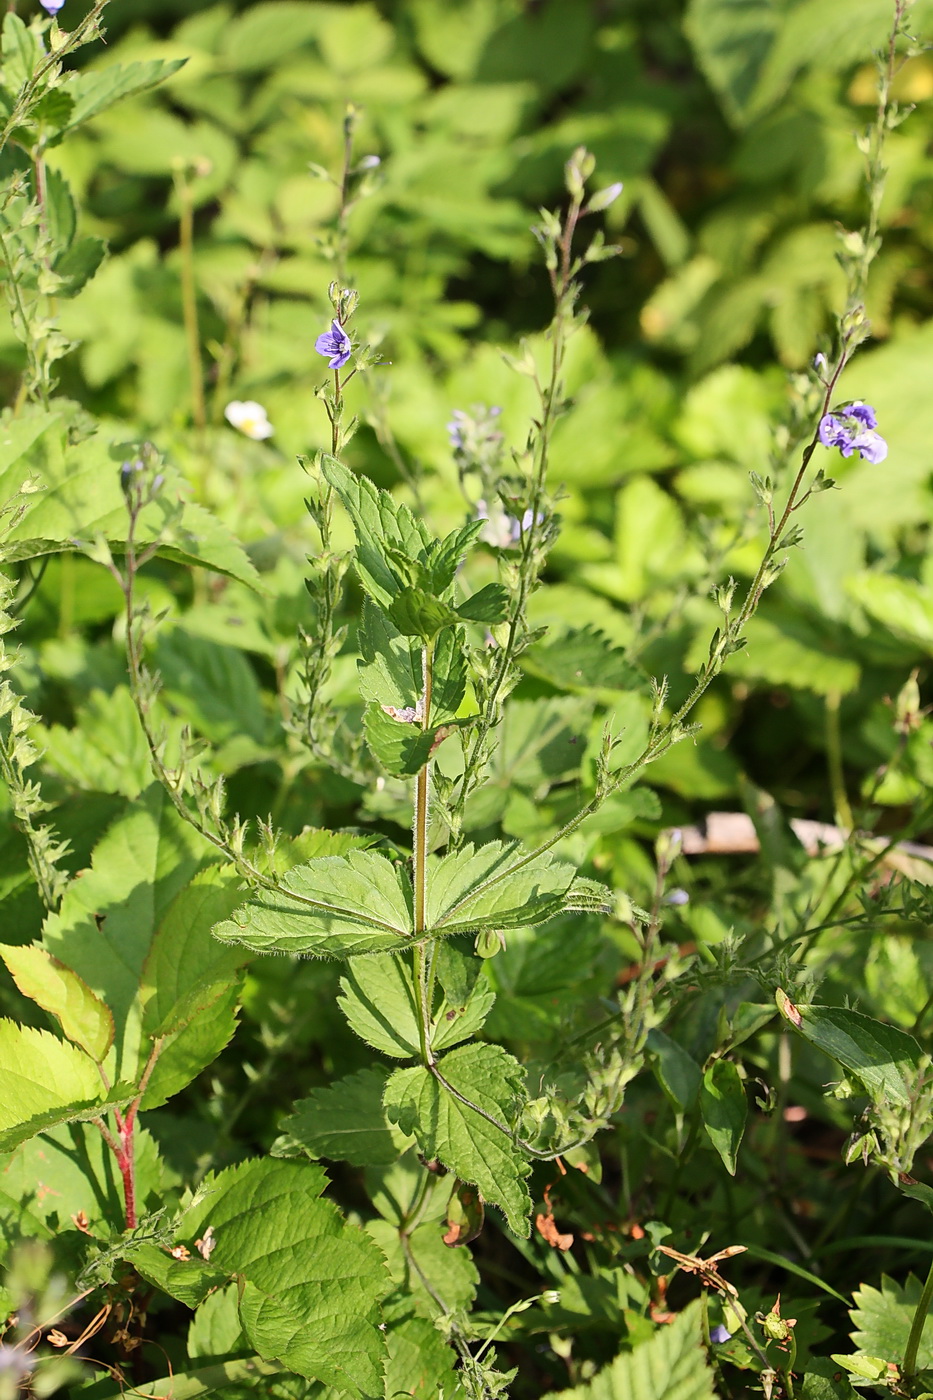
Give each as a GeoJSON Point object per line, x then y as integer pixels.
{"type": "Point", "coordinates": [864, 413]}
{"type": "Point", "coordinates": [336, 344]}
{"type": "Point", "coordinates": [677, 897]}
{"type": "Point", "coordinates": [719, 1334]}
{"type": "Point", "coordinates": [51, 7]}
{"type": "Point", "coordinates": [852, 429]}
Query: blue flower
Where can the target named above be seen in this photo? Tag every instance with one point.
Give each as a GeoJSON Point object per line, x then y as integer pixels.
{"type": "Point", "coordinates": [52, 7]}
{"type": "Point", "coordinates": [334, 343]}
{"type": "Point", "coordinates": [852, 429]}
{"type": "Point", "coordinates": [719, 1334]}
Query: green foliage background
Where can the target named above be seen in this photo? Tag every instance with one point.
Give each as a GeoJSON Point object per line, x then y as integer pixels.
{"type": "Point", "coordinates": [731, 124]}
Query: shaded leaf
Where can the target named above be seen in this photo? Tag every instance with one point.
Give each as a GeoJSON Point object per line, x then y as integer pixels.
{"type": "Point", "coordinates": [430, 1107]}
{"type": "Point", "coordinates": [378, 1002]}
{"type": "Point", "coordinates": [347, 1122]}
{"type": "Point", "coordinates": [311, 1282]}
{"type": "Point", "coordinates": [670, 1366]}
{"type": "Point", "coordinates": [882, 1058]}
{"type": "Point", "coordinates": [724, 1108]}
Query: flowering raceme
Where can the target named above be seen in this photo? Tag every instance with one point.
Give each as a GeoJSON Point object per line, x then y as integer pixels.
{"type": "Point", "coordinates": [852, 429]}
{"type": "Point", "coordinates": [334, 343]}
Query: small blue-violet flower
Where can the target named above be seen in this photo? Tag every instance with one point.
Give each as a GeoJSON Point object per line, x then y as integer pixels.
{"type": "Point", "coordinates": [852, 429]}
{"type": "Point", "coordinates": [334, 343]}
{"type": "Point", "coordinates": [719, 1334]}
{"type": "Point", "coordinates": [52, 7]}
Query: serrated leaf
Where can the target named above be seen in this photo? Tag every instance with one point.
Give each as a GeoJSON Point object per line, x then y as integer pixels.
{"type": "Point", "coordinates": [187, 1280]}
{"type": "Point", "coordinates": [490, 605]}
{"type": "Point", "coordinates": [333, 907]}
{"type": "Point", "coordinates": [111, 917]}
{"type": "Point", "coordinates": [95, 92]}
{"type": "Point", "coordinates": [347, 1122]}
{"type": "Point", "coordinates": [81, 497]}
{"type": "Point", "coordinates": [21, 52]}
{"type": "Point", "coordinates": [581, 660]}
{"type": "Point", "coordinates": [494, 887]}
{"type": "Point", "coordinates": [78, 264]}
{"type": "Point", "coordinates": [724, 1110]}
{"type": "Point", "coordinates": [459, 1020]}
{"type": "Point", "coordinates": [45, 1081]}
{"type": "Point", "coordinates": [400, 748]}
{"type": "Point", "coordinates": [390, 666]}
{"type": "Point", "coordinates": [449, 676]}
{"type": "Point", "coordinates": [417, 613]}
{"type": "Point", "coordinates": [378, 1002]}
{"type": "Point", "coordinates": [464, 1140]}
{"type": "Point", "coordinates": [311, 1282]}
{"type": "Point", "coordinates": [882, 1318]}
{"type": "Point", "coordinates": [377, 520]}
{"type": "Point", "coordinates": [670, 1366]}
{"type": "Point", "coordinates": [451, 1273]}
{"type": "Point", "coordinates": [421, 1364]}
{"type": "Point", "coordinates": [446, 557]}
{"type": "Point", "coordinates": [186, 971]}
{"type": "Point", "coordinates": [882, 1058]}
{"type": "Point", "coordinates": [83, 1016]}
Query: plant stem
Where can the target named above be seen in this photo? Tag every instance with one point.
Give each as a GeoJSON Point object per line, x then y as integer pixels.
{"type": "Point", "coordinates": [909, 1367]}
{"type": "Point", "coordinates": [422, 971]}
{"type": "Point", "coordinates": [189, 299]}
{"type": "Point", "coordinates": [841, 809]}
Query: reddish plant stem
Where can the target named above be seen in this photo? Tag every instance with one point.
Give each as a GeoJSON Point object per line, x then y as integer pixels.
{"type": "Point", "coordinates": [123, 1145]}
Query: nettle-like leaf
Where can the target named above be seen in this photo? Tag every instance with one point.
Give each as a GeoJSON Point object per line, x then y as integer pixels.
{"type": "Point", "coordinates": [581, 660]}
{"type": "Point", "coordinates": [883, 1059]}
{"type": "Point", "coordinates": [379, 1003]}
{"type": "Point", "coordinates": [417, 613]}
{"type": "Point", "coordinates": [421, 1364]}
{"type": "Point", "coordinates": [391, 668]}
{"type": "Point", "coordinates": [135, 930]}
{"type": "Point", "coordinates": [882, 1318]}
{"type": "Point", "coordinates": [45, 1081]}
{"type": "Point", "coordinates": [400, 747]}
{"type": "Point", "coordinates": [427, 1260]}
{"type": "Point", "coordinates": [80, 497]}
{"type": "Point", "coordinates": [495, 886]}
{"type": "Point", "coordinates": [50, 984]}
{"type": "Point", "coordinates": [671, 1365]}
{"type": "Point", "coordinates": [490, 605]}
{"type": "Point", "coordinates": [379, 521]}
{"type": "Point", "coordinates": [95, 92]}
{"type": "Point", "coordinates": [431, 1107]}
{"type": "Point", "coordinates": [310, 1283]}
{"type": "Point", "coordinates": [342, 906]}
{"type": "Point", "coordinates": [346, 1121]}
{"type": "Point", "coordinates": [334, 907]}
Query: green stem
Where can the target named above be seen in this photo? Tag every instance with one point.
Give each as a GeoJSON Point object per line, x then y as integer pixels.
{"type": "Point", "coordinates": [841, 809]}
{"type": "Point", "coordinates": [423, 973]}
{"type": "Point", "coordinates": [909, 1368]}
{"type": "Point", "coordinates": [189, 300]}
